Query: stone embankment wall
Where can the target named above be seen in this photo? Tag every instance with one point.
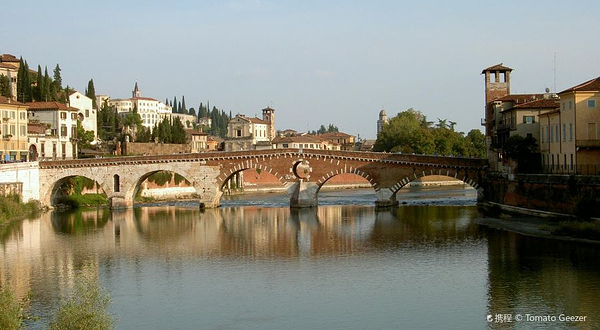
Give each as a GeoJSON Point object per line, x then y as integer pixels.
{"type": "Point", "coordinates": [564, 194]}
{"type": "Point", "coordinates": [134, 148]}
{"type": "Point", "coordinates": [21, 177]}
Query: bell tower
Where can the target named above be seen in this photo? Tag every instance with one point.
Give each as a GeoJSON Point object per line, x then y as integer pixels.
{"type": "Point", "coordinates": [269, 116]}
{"type": "Point", "coordinates": [497, 85]}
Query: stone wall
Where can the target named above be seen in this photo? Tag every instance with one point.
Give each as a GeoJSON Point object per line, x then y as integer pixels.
{"type": "Point", "coordinates": [566, 194]}
{"type": "Point", "coordinates": [27, 175]}
{"type": "Point", "coordinates": [134, 148]}
{"type": "Point", "coordinates": [15, 188]}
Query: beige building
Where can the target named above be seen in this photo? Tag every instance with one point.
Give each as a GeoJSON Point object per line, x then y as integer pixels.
{"type": "Point", "coordinates": [304, 142]}
{"type": "Point", "coordinates": [523, 119]}
{"type": "Point", "coordinates": [87, 114]}
{"type": "Point", "coordinates": [9, 67]}
{"type": "Point", "coordinates": [197, 139]}
{"type": "Point", "coordinates": [346, 141]}
{"type": "Point", "coordinates": [244, 133]}
{"type": "Point", "coordinates": [151, 111]}
{"type": "Point", "coordinates": [570, 141]}
{"type": "Point", "coordinates": [13, 130]}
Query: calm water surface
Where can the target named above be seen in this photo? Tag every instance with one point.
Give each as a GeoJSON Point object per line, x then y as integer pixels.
{"type": "Point", "coordinates": [256, 264]}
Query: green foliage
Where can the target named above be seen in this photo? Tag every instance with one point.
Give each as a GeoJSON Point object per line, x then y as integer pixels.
{"type": "Point", "coordinates": [109, 122]}
{"type": "Point", "coordinates": [11, 312]}
{"type": "Point", "coordinates": [57, 78]}
{"type": "Point", "coordinates": [160, 177]}
{"type": "Point", "coordinates": [91, 93]}
{"type": "Point", "coordinates": [39, 89]}
{"type": "Point", "coordinates": [49, 93]}
{"type": "Point", "coordinates": [143, 134]}
{"type": "Point", "coordinates": [24, 93]}
{"type": "Point", "coordinates": [410, 132]}
{"type": "Point", "coordinates": [11, 208]}
{"type": "Point", "coordinates": [85, 137]}
{"type": "Point", "coordinates": [5, 89]}
{"type": "Point", "coordinates": [177, 132]}
{"type": "Point", "coordinates": [524, 151]}
{"type": "Point", "coordinates": [178, 178]}
{"type": "Point", "coordinates": [85, 309]}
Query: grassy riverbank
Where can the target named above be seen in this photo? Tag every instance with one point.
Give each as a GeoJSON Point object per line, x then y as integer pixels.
{"type": "Point", "coordinates": [11, 208]}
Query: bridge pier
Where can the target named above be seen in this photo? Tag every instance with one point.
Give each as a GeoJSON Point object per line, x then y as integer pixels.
{"type": "Point", "coordinates": [119, 203]}
{"type": "Point", "coordinates": [385, 198]}
{"type": "Point", "coordinates": [303, 194]}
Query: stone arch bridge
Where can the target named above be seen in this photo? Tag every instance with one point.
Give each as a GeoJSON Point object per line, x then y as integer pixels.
{"type": "Point", "coordinates": [303, 172]}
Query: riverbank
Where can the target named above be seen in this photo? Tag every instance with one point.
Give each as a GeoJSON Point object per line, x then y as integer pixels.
{"type": "Point", "coordinates": [12, 209]}
{"type": "Point", "coordinates": [541, 227]}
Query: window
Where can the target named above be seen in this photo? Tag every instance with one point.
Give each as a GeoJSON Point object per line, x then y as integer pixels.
{"type": "Point", "coordinates": [571, 161]}
{"type": "Point", "coordinates": [543, 135]}
{"type": "Point", "coordinates": [116, 183]}
{"type": "Point", "coordinates": [73, 131]}
{"type": "Point", "coordinates": [64, 150]}
{"type": "Point", "coordinates": [591, 103]}
{"type": "Point", "coordinates": [557, 134]}
{"type": "Point", "coordinates": [570, 105]}
{"type": "Point", "coordinates": [13, 115]}
{"type": "Point", "coordinates": [551, 134]}
{"type": "Point", "coordinates": [73, 116]}
{"type": "Point", "coordinates": [23, 130]}
{"type": "Point", "coordinates": [63, 130]}
{"type": "Point", "coordinates": [54, 150]}
{"type": "Point", "coordinates": [4, 114]}
{"type": "Point", "coordinates": [563, 105]}
{"type": "Point", "coordinates": [42, 150]}
{"type": "Point", "coordinates": [571, 132]}
{"type": "Point", "coordinates": [564, 131]}
{"type": "Point", "coordinates": [528, 119]}
{"type": "Point", "coordinates": [13, 130]}
{"type": "Point", "coordinates": [63, 115]}
{"type": "Point", "coordinates": [23, 115]}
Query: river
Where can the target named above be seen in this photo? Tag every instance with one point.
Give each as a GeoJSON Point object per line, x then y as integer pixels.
{"type": "Point", "coordinates": [255, 264]}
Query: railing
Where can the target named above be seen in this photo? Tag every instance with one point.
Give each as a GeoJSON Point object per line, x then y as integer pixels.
{"type": "Point", "coordinates": [584, 169]}
{"type": "Point", "coordinates": [507, 124]}
{"type": "Point", "coordinates": [587, 143]}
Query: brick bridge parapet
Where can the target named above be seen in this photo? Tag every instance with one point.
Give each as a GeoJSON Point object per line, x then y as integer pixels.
{"type": "Point", "coordinates": [303, 172]}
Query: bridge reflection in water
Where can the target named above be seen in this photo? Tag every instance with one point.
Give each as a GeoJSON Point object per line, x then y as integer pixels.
{"type": "Point", "coordinates": [338, 264]}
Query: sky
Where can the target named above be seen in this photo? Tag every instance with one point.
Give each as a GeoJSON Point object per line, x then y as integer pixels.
{"type": "Point", "coordinates": [314, 62]}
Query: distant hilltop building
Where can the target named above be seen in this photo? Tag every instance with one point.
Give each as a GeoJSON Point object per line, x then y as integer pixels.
{"type": "Point", "coordinates": [151, 111]}
{"type": "Point", "coordinates": [383, 119]}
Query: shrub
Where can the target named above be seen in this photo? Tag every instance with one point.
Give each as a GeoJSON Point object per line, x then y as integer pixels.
{"type": "Point", "coordinates": [11, 312]}
{"type": "Point", "coordinates": [86, 309]}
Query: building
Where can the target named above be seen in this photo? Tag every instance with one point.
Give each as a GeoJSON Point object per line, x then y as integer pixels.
{"type": "Point", "coordinates": [87, 114]}
{"type": "Point", "coordinates": [304, 142]}
{"type": "Point", "coordinates": [570, 142]}
{"type": "Point", "coordinates": [245, 133]}
{"type": "Point", "coordinates": [346, 141]}
{"type": "Point", "coordinates": [151, 111]}
{"type": "Point", "coordinates": [214, 143]}
{"type": "Point", "coordinates": [60, 141]}
{"type": "Point", "coordinates": [383, 119]}
{"type": "Point", "coordinates": [9, 67]}
{"type": "Point", "coordinates": [197, 139]}
{"type": "Point", "coordinates": [13, 130]}
{"type": "Point", "coordinates": [508, 114]}
{"type": "Point", "coordinates": [187, 120]}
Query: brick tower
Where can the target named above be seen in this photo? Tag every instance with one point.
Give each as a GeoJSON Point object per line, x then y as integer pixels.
{"type": "Point", "coordinates": [497, 85]}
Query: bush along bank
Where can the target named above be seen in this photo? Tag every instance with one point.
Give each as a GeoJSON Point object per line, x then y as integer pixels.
{"type": "Point", "coordinates": [12, 208]}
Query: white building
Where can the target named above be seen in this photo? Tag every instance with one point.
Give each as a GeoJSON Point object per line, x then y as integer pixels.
{"type": "Point", "coordinates": [151, 111]}
{"type": "Point", "coordinates": [87, 114]}
{"type": "Point", "coordinates": [60, 139]}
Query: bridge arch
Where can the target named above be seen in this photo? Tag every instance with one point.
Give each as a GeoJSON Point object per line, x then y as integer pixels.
{"type": "Point", "coordinates": [448, 172]}
{"type": "Point", "coordinates": [132, 189]}
{"type": "Point", "coordinates": [50, 196]}
{"type": "Point", "coordinates": [240, 167]}
{"type": "Point", "coordinates": [344, 170]}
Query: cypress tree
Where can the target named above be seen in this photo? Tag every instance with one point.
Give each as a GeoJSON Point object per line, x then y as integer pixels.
{"type": "Point", "coordinates": [39, 90]}
{"type": "Point", "coordinates": [5, 86]}
{"type": "Point", "coordinates": [183, 108]}
{"type": "Point", "coordinates": [49, 91]}
{"type": "Point", "coordinates": [174, 107]}
{"type": "Point", "coordinates": [57, 78]}
{"type": "Point", "coordinates": [179, 110]}
{"type": "Point", "coordinates": [91, 93]}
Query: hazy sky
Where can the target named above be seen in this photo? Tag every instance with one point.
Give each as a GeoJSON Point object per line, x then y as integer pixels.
{"type": "Point", "coordinates": [318, 62]}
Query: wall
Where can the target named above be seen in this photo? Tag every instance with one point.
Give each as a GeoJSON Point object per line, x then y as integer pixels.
{"type": "Point", "coordinates": [133, 148]}
{"type": "Point", "coordinates": [552, 193]}
{"type": "Point", "coordinates": [26, 173]}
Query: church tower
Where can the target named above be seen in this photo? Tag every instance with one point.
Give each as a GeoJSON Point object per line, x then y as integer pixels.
{"type": "Point", "coordinates": [383, 119]}
{"type": "Point", "coordinates": [136, 91]}
{"type": "Point", "coordinates": [269, 117]}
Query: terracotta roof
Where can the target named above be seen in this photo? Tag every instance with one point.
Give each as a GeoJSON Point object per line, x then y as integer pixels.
{"type": "Point", "coordinates": [49, 106]}
{"type": "Point", "coordinates": [257, 121]}
{"type": "Point", "coordinates": [520, 98]}
{"type": "Point", "coordinates": [8, 66]}
{"type": "Point", "coordinates": [6, 100]}
{"type": "Point", "coordinates": [592, 85]}
{"type": "Point", "coordinates": [214, 138]}
{"type": "Point", "coordinates": [8, 58]}
{"type": "Point", "coordinates": [144, 98]}
{"type": "Point", "coordinates": [543, 103]}
{"type": "Point", "coordinates": [269, 108]}
{"type": "Point", "coordinates": [298, 139]}
{"type": "Point", "coordinates": [194, 131]}
{"type": "Point", "coordinates": [334, 134]}
{"type": "Point", "coordinates": [497, 67]}
{"type": "Point", "coordinates": [550, 112]}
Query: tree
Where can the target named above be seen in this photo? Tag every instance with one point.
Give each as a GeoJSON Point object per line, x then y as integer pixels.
{"type": "Point", "coordinates": [49, 91]}
{"type": "Point", "coordinates": [192, 112]}
{"type": "Point", "coordinates": [174, 105]}
{"type": "Point", "coordinates": [39, 89]}
{"type": "Point", "coordinates": [476, 141]}
{"type": "Point", "coordinates": [523, 150]}
{"type": "Point", "coordinates": [5, 89]}
{"type": "Point", "coordinates": [177, 132]}
{"type": "Point", "coordinates": [91, 93]}
{"type": "Point", "coordinates": [84, 137]}
{"type": "Point", "coordinates": [57, 78]}
{"type": "Point", "coordinates": [183, 108]}
{"type": "Point", "coordinates": [23, 82]}
{"type": "Point", "coordinates": [405, 133]}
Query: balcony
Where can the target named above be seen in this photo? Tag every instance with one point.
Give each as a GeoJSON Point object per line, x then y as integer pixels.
{"type": "Point", "coordinates": [507, 124]}
{"type": "Point", "coordinates": [588, 143]}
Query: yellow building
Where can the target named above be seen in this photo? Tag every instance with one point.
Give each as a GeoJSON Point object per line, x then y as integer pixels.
{"type": "Point", "coordinates": [570, 137]}
{"type": "Point", "coordinates": [13, 130]}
